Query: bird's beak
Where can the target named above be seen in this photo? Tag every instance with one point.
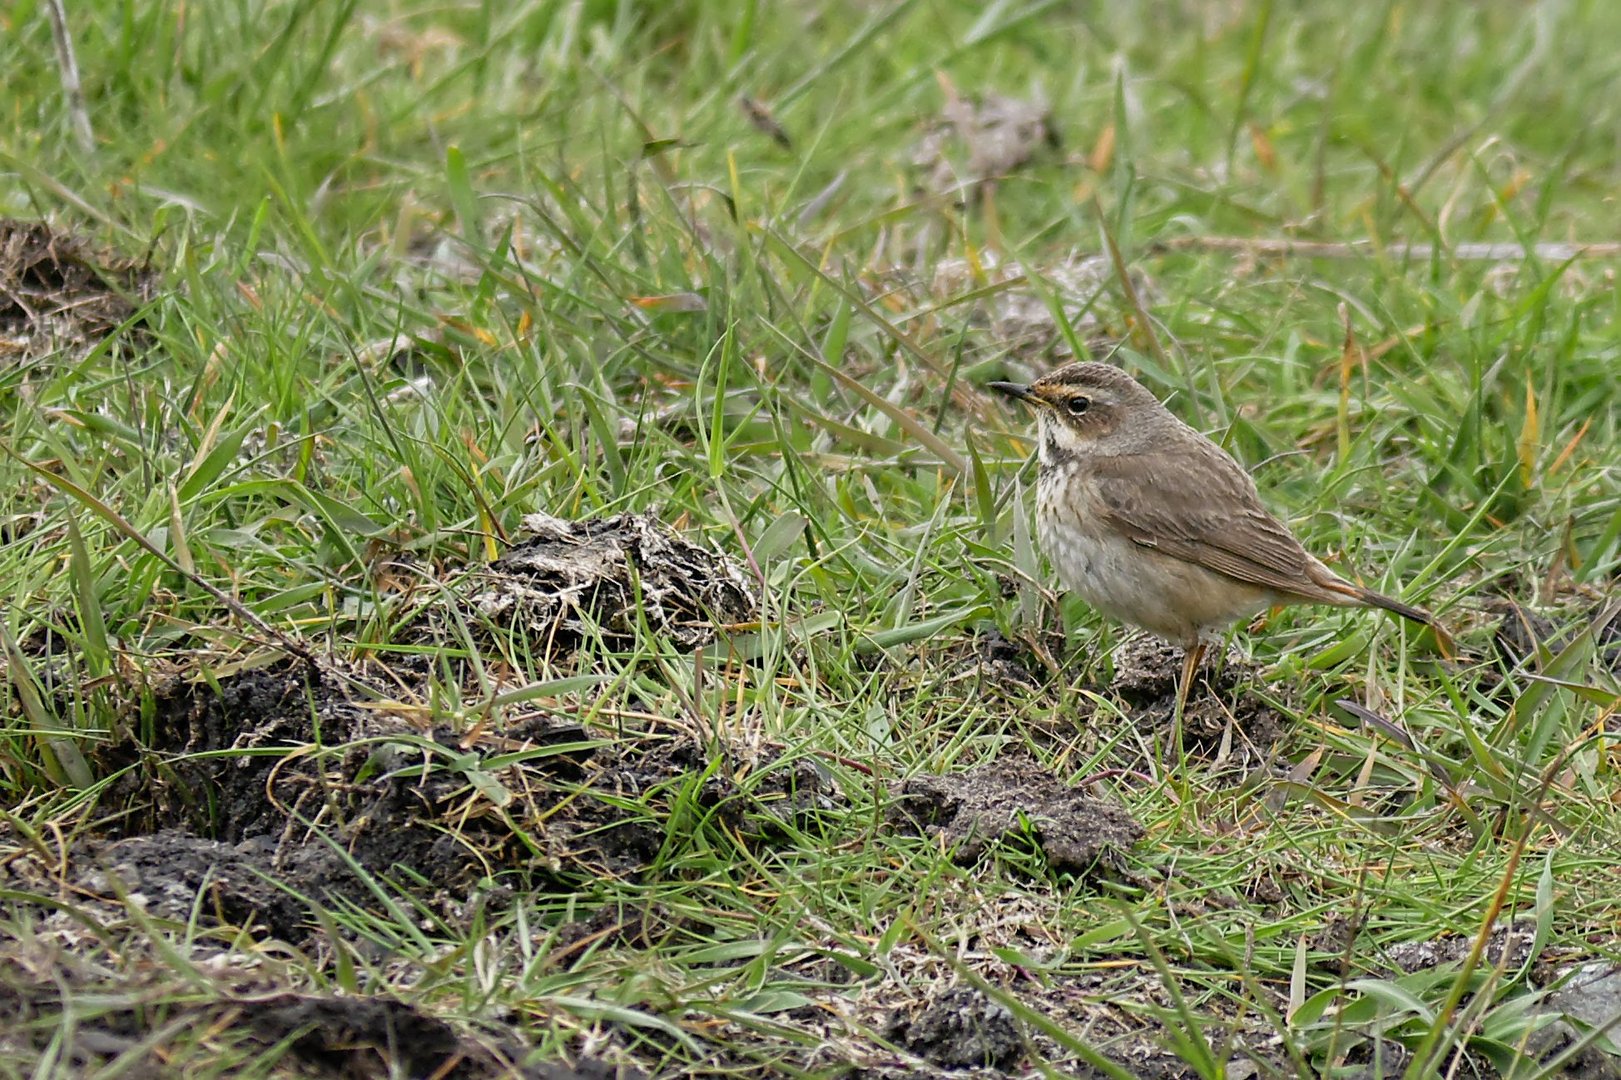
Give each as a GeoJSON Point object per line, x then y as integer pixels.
{"type": "Point", "coordinates": [1014, 390]}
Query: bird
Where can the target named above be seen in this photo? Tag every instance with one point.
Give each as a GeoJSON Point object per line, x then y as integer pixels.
{"type": "Point", "coordinates": [1154, 525]}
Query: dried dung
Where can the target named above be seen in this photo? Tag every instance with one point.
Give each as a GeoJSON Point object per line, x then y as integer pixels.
{"type": "Point", "coordinates": [960, 1029]}
{"type": "Point", "coordinates": [975, 809]}
{"type": "Point", "coordinates": [571, 580]}
{"type": "Point", "coordinates": [1220, 712]}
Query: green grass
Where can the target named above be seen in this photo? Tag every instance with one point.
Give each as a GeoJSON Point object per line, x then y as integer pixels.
{"type": "Point", "coordinates": [506, 186]}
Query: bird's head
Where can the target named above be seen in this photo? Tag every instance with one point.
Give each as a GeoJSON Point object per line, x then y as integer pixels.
{"type": "Point", "coordinates": [1088, 409]}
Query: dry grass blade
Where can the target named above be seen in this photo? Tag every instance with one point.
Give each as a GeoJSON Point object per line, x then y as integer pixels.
{"type": "Point", "coordinates": [68, 70]}
{"type": "Point", "coordinates": [1144, 327]}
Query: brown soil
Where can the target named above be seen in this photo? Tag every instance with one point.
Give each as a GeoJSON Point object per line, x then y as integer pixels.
{"type": "Point", "coordinates": [318, 1035]}
{"type": "Point", "coordinates": [960, 1029]}
{"type": "Point", "coordinates": [1009, 799]}
{"type": "Point", "coordinates": [57, 293]}
{"type": "Point", "coordinates": [1222, 711]}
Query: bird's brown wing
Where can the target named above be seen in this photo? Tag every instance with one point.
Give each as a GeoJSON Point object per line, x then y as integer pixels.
{"type": "Point", "coordinates": [1199, 506]}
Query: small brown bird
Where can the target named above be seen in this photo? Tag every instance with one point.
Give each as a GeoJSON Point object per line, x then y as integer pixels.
{"type": "Point", "coordinates": [1155, 525]}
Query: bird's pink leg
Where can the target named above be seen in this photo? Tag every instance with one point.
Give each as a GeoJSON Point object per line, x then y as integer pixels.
{"type": "Point", "coordinates": [1190, 666]}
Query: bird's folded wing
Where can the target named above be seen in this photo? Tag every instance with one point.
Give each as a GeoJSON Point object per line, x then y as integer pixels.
{"type": "Point", "coordinates": [1203, 510]}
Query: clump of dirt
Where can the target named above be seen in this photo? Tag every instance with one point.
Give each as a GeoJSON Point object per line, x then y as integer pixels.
{"type": "Point", "coordinates": [1591, 995]}
{"type": "Point", "coordinates": [58, 294]}
{"type": "Point", "coordinates": [569, 582]}
{"type": "Point", "coordinates": [380, 1036]}
{"type": "Point", "coordinates": [1220, 711]}
{"type": "Point", "coordinates": [322, 1036]}
{"type": "Point", "coordinates": [1514, 937]}
{"type": "Point", "coordinates": [1223, 715]}
{"type": "Point", "coordinates": [997, 136]}
{"type": "Point", "coordinates": [990, 663]}
{"type": "Point", "coordinates": [1578, 1058]}
{"type": "Point", "coordinates": [1377, 1058]}
{"type": "Point", "coordinates": [797, 793]}
{"type": "Point", "coordinates": [1012, 798]}
{"type": "Point", "coordinates": [168, 872]}
{"type": "Point", "coordinates": [264, 789]}
{"type": "Point", "coordinates": [264, 776]}
{"type": "Point", "coordinates": [1338, 934]}
{"type": "Point", "coordinates": [217, 741]}
{"type": "Point", "coordinates": [256, 792]}
{"type": "Point", "coordinates": [960, 1029]}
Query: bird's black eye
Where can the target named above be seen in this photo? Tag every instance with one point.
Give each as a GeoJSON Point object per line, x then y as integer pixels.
{"type": "Point", "coordinates": [1078, 404]}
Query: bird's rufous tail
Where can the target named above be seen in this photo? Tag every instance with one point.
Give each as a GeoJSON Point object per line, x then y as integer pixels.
{"type": "Point", "coordinates": [1407, 611]}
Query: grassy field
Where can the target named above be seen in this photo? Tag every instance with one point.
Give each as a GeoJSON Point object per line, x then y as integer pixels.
{"type": "Point", "coordinates": [313, 762]}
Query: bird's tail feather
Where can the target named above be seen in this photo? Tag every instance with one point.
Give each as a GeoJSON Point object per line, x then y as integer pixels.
{"type": "Point", "coordinates": [1407, 611]}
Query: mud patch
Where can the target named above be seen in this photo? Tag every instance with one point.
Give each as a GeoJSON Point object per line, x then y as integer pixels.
{"type": "Point", "coordinates": [266, 791]}
{"type": "Point", "coordinates": [173, 874]}
{"type": "Point", "coordinates": [57, 294]}
{"type": "Point", "coordinates": [573, 582]}
{"type": "Point", "coordinates": [1012, 799]}
{"type": "Point", "coordinates": [151, 1028]}
{"type": "Point", "coordinates": [960, 1029]}
{"type": "Point", "coordinates": [1221, 713]}
{"type": "Point", "coordinates": [991, 664]}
